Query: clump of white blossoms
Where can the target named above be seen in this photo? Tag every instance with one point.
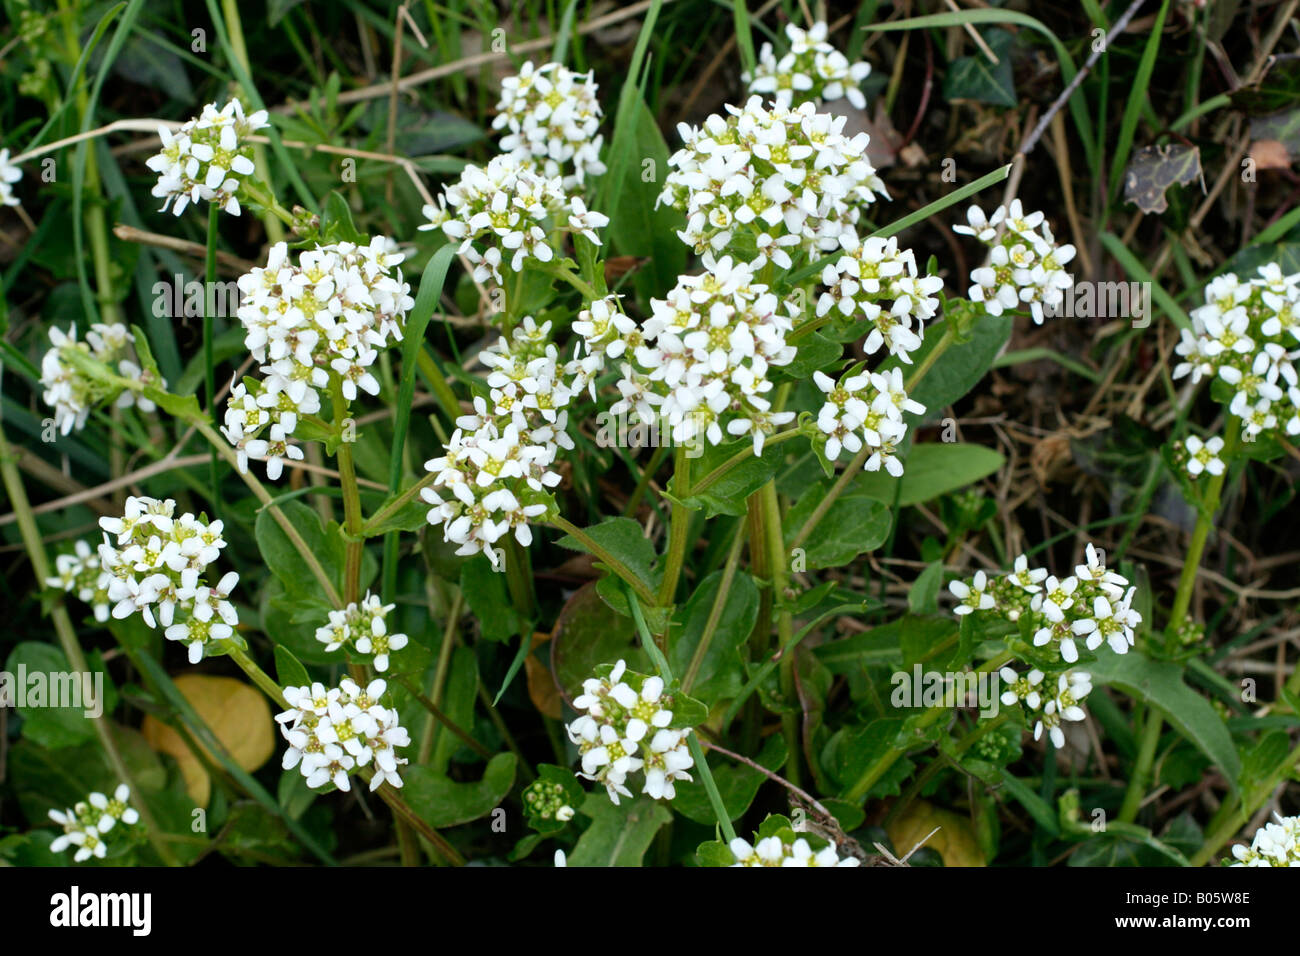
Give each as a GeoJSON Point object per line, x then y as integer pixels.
{"type": "Point", "coordinates": [1094, 605]}
{"type": "Point", "coordinates": [9, 174]}
{"type": "Point", "coordinates": [1246, 334]}
{"type": "Point", "coordinates": [702, 359]}
{"type": "Point", "coordinates": [155, 564]}
{"type": "Point", "coordinates": [865, 408]}
{"type": "Point", "coordinates": [79, 573]}
{"type": "Point", "coordinates": [1047, 704]}
{"type": "Point", "coordinates": [1274, 844]}
{"type": "Point", "coordinates": [811, 71]}
{"type": "Point", "coordinates": [776, 179]}
{"type": "Point", "coordinates": [780, 850]}
{"type": "Point", "coordinates": [873, 271]}
{"type": "Point", "coordinates": [86, 825]}
{"type": "Point", "coordinates": [205, 158]}
{"type": "Point", "coordinates": [627, 728]}
{"type": "Point", "coordinates": [316, 324]}
{"type": "Point", "coordinates": [495, 471]}
{"type": "Point", "coordinates": [1026, 267]}
{"type": "Point", "coordinates": [551, 115]}
{"type": "Point", "coordinates": [73, 393]}
{"type": "Point", "coordinates": [333, 731]}
{"type": "Point", "coordinates": [362, 627]}
{"type": "Point", "coordinates": [505, 213]}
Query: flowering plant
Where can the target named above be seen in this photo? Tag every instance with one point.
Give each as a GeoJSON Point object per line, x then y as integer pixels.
{"type": "Point", "coordinates": [603, 466]}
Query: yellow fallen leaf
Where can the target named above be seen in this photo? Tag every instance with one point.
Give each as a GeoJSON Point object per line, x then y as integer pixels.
{"type": "Point", "coordinates": [238, 715]}
{"type": "Point", "coordinates": [955, 841]}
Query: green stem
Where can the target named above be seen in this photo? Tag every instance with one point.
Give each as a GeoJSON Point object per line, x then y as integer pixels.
{"type": "Point", "coordinates": [67, 635]}
{"type": "Point", "coordinates": [678, 528]}
{"type": "Point", "coordinates": [740, 458]}
{"type": "Point", "coordinates": [860, 459]}
{"type": "Point", "coordinates": [1154, 720]}
{"type": "Point", "coordinates": [209, 369]}
{"type": "Point", "coordinates": [877, 770]}
{"type": "Point", "coordinates": [602, 555]}
{"type": "Point", "coordinates": [351, 499]}
{"type": "Point", "coordinates": [368, 530]}
{"type": "Point", "coordinates": [1137, 784]}
{"type": "Point", "coordinates": [443, 719]}
{"type": "Point", "coordinates": [1201, 533]}
{"type": "Point", "coordinates": [715, 612]}
{"type": "Point", "coordinates": [692, 740]}
{"type": "Point", "coordinates": [778, 567]}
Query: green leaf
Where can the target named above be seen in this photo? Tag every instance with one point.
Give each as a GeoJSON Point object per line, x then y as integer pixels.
{"type": "Point", "coordinates": [459, 697]}
{"type": "Point", "coordinates": [975, 77]}
{"type": "Point", "coordinates": [737, 785]}
{"type": "Point", "coordinates": [923, 597]}
{"type": "Point", "coordinates": [442, 802]}
{"type": "Point", "coordinates": [714, 853]}
{"type": "Point", "coordinates": [336, 221]}
{"type": "Point", "coordinates": [622, 538]}
{"type": "Point", "coordinates": [325, 542]}
{"type": "Point", "coordinates": [957, 370]}
{"type": "Point", "coordinates": [289, 671]}
{"type": "Point", "coordinates": [721, 671]}
{"type": "Point", "coordinates": [587, 634]}
{"type": "Point", "coordinates": [618, 835]}
{"type": "Point", "coordinates": [816, 352]}
{"type": "Point", "coordinates": [854, 524]}
{"type": "Point", "coordinates": [726, 495]}
{"type": "Point", "coordinates": [36, 676]}
{"type": "Point", "coordinates": [931, 470]}
{"type": "Point", "coordinates": [1160, 683]}
{"type": "Point", "coordinates": [636, 227]}
{"type": "Point", "coordinates": [486, 594]}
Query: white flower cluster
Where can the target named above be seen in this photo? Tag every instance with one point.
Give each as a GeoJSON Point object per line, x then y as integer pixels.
{"type": "Point", "coordinates": [626, 729]}
{"type": "Point", "coordinates": [1045, 706]}
{"type": "Point", "coordinates": [1094, 604]}
{"type": "Point", "coordinates": [1246, 334]}
{"type": "Point", "coordinates": [71, 392]}
{"type": "Point", "coordinates": [9, 174]}
{"type": "Point", "coordinates": [1026, 267]}
{"type": "Point", "coordinates": [205, 158]}
{"type": "Point", "coordinates": [496, 468]}
{"type": "Point", "coordinates": [85, 825]}
{"type": "Point", "coordinates": [787, 179]}
{"type": "Point", "coordinates": [504, 212]}
{"type": "Point", "coordinates": [155, 563]}
{"type": "Point", "coordinates": [321, 320]}
{"type": "Point", "coordinates": [774, 851]}
{"type": "Point", "coordinates": [79, 573]}
{"type": "Point", "coordinates": [333, 731]}
{"type": "Point", "coordinates": [865, 408]}
{"type": "Point", "coordinates": [872, 271]}
{"type": "Point", "coordinates": [552, 116]}
{"type": "Point", "coordinates": [701, 360]}
{"type": "Point", "coordinates": [362, 627]}
{"type": "Point", "coordinates": [811, 71]}
{"type": "Point", "coordinates": [1275, 844]}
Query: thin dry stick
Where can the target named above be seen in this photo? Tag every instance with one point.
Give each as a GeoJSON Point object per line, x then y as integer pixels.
{"type": "Point", "coordinates": [148, 471]}
{"type": "Point", "coordinates": [233, 264]}
{"type": "Point", "coordinates": [974, 35]}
